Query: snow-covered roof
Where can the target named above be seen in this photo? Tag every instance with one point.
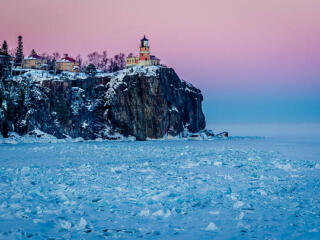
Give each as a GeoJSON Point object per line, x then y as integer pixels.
{"type": "Point", "coordinates": [33, 57]}
{"type": "Point", "coordinates": [67, 59]}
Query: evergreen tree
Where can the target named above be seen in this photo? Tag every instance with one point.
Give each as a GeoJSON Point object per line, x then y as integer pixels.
{"type": "Point", "coordinates": [62, 110]}
{"type": "Point", "coordinates": [5, 129]}
{"type": "Point", "coordinates": [91, 70]}
{"type": "Point", "coordinates": [19, 52]}
{"type": "Point", "coordinates": [5, 65]}
{"type": "Point", "coordinates": [52, 65]}
{"type": "Point", "coordinates": [33, 52]}
{"type": "Point", "coordinates": [5, 47]}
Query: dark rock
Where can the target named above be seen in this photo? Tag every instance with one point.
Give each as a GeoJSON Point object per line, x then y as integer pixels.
{"type": "Point", "coordinates": [223, 134]}
{"type": "Point", "coordinates": [141, 105]}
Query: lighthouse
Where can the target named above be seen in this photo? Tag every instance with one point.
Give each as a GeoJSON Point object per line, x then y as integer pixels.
{"type": "Point", "coordinates": [144, 54]}
{"type": "Point", "coordinates": [144, 59]}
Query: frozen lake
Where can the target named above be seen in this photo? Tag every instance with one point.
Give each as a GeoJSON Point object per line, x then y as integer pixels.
{"type": "Point", "coordinates": [238, 188]}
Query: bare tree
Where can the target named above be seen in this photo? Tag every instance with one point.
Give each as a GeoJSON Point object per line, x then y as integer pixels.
{"type": "Point", "coordinates": [104, 61]}
{"type": "Point", "coordinates": [79, 60]}
{"type": "Point", "coordinates": [120, 60]}
{"type": "Point", "coordinates": [117, 63]}
{"type": "Point", "coordinates": [56, 55]}
{"type": "Point", "coordinates": [94, 58]}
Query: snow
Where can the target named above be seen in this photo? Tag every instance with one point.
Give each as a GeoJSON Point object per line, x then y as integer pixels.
{"type": "Point", "coordinates": [35, 75]}
{"type": "Point", "coordinates": [141, 70]}
{"type": "Point", "coordinates": [41, 75]}
{"type": "Point", "coordinates": [236, 188]}
{"type": "Point", "coordinates": [116, 78]}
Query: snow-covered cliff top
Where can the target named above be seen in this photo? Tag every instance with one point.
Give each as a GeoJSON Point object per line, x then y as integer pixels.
{"type": "Point", "coordinates": [40, 75]}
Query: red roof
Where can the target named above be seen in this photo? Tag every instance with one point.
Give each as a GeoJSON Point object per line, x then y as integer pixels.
{"type": "Point", "coordinates": [36, 56]}
{"type": "Point", "coordinates": [69, 59]}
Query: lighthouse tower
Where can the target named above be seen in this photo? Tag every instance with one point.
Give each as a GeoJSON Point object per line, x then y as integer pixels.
{"type": "Point", "coordinates": [144, 54]}
{"type": "Point", "coordinates": [144, 58]}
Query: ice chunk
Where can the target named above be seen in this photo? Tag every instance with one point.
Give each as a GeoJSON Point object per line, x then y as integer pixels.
{"type": "Point", "coordinates": [218, 164]}
{"type": "Point", "coordinates": [211, 227]}
{"type": "Point", "coordinates": [238, 204]}
{"type": "Point", "coordinates": [65, 224]}
{"type": "Point", "coordinates": [144, 213]}
{"type": "Point", "coordinates": [82, 224]}
{"type": "Point", "coordinates": [161, 213]}
{"type": "Point", "coordinates": [214, 212]}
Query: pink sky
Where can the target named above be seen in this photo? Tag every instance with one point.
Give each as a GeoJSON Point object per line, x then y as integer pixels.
{"type": "Point", "coordinates": [232, 44]}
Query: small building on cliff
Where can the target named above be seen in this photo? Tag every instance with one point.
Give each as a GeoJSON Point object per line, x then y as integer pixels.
{"type": "Point", "coordinates": [34, 61]}
{"type": "Point", "coordinates": [144, 58]}
{"type": "Point", "coordinates": [67, 64]}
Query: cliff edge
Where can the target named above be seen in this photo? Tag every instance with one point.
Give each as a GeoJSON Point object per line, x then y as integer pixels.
{"type": "Point", "coordinates": [143, 102]}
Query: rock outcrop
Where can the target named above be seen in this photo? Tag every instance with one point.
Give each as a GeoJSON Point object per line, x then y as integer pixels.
{"type": "Point", "coordinates": [144, 102]}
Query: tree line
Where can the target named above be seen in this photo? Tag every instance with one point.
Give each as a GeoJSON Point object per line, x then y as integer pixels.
{"type": "Point", "coordinates": [95, 60]}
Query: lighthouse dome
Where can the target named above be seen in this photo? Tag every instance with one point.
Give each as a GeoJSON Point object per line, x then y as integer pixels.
{"type": "Point", "coordinates": [144, 38]}
{"type": "Point", "coordinates": [144, 42]}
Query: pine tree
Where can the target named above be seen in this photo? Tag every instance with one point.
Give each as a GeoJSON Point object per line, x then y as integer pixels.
{"type": "Point", "coordinates": [5, 129]}
{"type": "Point", "coordinates": [33, 52]}
{"type": "Point", "coordinates": [5, 47]}
{"type": "Point", "coordinates": [19, 52]}
{"type": "Point", "coordinates": [62, 110]}
{"type": "Point", "coordinates": [5, 66]}
{"type": "Point", "coordinates": [91, 70]}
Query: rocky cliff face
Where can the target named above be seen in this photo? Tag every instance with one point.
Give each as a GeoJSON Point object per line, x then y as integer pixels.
{"type": "Point", "coordinates": [144, 102]}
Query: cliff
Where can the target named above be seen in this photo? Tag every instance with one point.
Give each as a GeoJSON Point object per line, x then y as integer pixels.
{"type": "Point", "coordinates": [144, 102]}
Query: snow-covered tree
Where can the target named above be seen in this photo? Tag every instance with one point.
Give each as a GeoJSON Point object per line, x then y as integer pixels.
{"type": "Point", "coordinates": [19, 51]}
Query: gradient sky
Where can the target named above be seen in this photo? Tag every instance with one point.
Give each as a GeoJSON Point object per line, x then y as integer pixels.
{"type": "Point", "coordinates": [254, 60]}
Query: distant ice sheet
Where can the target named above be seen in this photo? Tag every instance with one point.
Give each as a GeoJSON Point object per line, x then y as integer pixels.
{"type": "Point", "coordinates": [282, 130]}
{"type": "Point", "coordinates": [238, 188]}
